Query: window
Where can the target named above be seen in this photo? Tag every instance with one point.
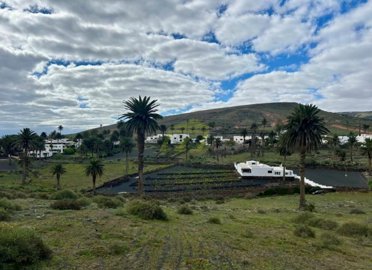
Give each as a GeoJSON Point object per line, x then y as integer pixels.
{"type": "Point", "coordinates": [269, 171]}
{"type": "Point", "coordinates": [246, 170]}
{"type": "Point", "coordinates": [277, 173]}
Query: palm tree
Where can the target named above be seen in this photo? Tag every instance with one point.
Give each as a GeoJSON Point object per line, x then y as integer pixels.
{"type": "Point", "coordinates": [335, 143]}
{"type": "Point", "coordinates": [141, 118]}
{"type": "Point", "coordinates": [95, 168]}
{"type": "Point", "coordinates": [26, 139]}
{"type": "Point", "coordinates": [254, 127]}
{"type": "Point", "coordinates": [182, 129]}
{"type": "Point", "coordinates": [163, 129]}
{"type": "Point", "coordinates": [60, 128]}
{"type": "Point", "coordinates": [8, 145]}
{"type": "Point", "coordinates": [217, 145]}
{"type": "Point", "coordinates": [304, 133]}
{"type": "Point", "coordinates": [264, 122]}
{"type": "Point", "coordinates": [58, 170]}
{"type": "Point", "coordinates": [352, 141]}
{"type": "Point", "coordinates": [204, 129]}
{"type": "Point", "coordinates": [367, 150]}
{"type": "Point", "coordinates": [126, 145]}
{"type": "Point", "coordinates": [365, 128]}
{"type": "Point", "coordinates": [187, 144]}
{"type": "Point", "coordinates": [284, 151]}
{"type": "Point", "coordinates": [244, 133]}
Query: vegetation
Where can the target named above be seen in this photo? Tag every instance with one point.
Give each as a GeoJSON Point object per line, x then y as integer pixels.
{"type": "Point", "coordinates": [95, 168]}
{"type": "Point", "coordinates": [146, 210]}
{"type": "Point", "coordinates": [64, 195]}
{"type": "Point", "coordinates": [304, 134]}
{"type": "Point", "coordinates": [141, 118]}
{"type": "Point", "coordinates": [58, 170]}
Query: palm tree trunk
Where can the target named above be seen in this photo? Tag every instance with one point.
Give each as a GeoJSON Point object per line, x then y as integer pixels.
{"type": "Point", "coordinates": [351, 153]}
{"type": "Point", "coordinates": [302, 179]}
{"type": "Point", "coordinates": [126, 163]}
{"type": "Point", "coordinates": [284, 162]}
{"type": "Point", "coordinates": [141, 150]}
{"type": "Point", "coordinates": [58, 182]}
{"type": "Point", "coordinates": [94, 184]}
{"type": "Point", "coordinates": [370, 165]}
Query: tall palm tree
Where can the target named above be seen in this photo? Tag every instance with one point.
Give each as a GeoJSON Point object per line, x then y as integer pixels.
{"type": "Point", "coordinates": [163, 129]}
{"type": "Point", "coordinates": [367, 150]}
{"type": "Point", "coordinates": [58, 170]}
{"type": "Point", "coordinates": [352, 141]}
{"type": "Point", "coordinates": [335, 143]}
{"type": "Point", "coordinates": [187, 144]}
{"type": "Point", "coordinates": [141, 118]}
{"type": "Point", "coordinates": [365, 128]}
{"type": "Point", "coordinates": [264, 122]}
{"type": "Point", "coordinates": [8, 145]}
{"type": "Point", "coordinates": [304, 133]}
{"type": "Point", "coordinates": [126, 145]}
{"type": "Point", "coordinates": [217, 145]}
{"type": "Point", "coordinates": [26, 138]}
{"type": "Point", "coordinates": [284, 151]}
{"type": "Point", "coordinates": [95, 168]}
{"type": "Point", "coordinates": [254, 128]}
{"type": "Point", "coordinates": [244, 133]}
{"type": "Point", "coordinates": [60, 128]}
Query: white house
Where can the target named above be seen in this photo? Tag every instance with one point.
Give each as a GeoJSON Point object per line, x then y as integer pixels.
{"type": "Point", "coordinates": [178, 138]}
{"type": "Point", "coordinates": [240, 139]}
{"type": "Point", "coordinates": [153, 138]}
{"type": "Point", "coordinates": [55, 146]}
{"type": "Point", "coordinates": [362, 138]}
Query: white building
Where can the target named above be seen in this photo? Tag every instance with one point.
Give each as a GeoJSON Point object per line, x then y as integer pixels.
{"type": "Point", "coordinates": [178, 138]}
{"type": "Point", "coordinates": [240, 139]}
{"type": "Point", "coordinates": [362, 138]}
{"type": "Point", "coordinates": [54, 147]}
{"type": "Point", "coordinates": [153, 138]}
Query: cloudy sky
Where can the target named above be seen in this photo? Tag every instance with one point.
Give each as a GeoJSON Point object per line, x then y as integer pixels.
{"type": "Point", "coordinates": [73, 62]}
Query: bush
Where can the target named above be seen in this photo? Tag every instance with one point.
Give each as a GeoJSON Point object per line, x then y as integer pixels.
{"type": "Point", "coordinates": [118, 248]}
{"type": "Point", "coordinates": [357, 211]}
{"type": "Point", "coordinates": [4, 215]}
{"type": "Point", "coordinates": [303, 218]}
{"type": "Point", "coordinates": [69, 151]}
{"type": "Point", "coordinates": [8, 205]}
{"type": "Point", "coordinates": [329, 240]}
{"type": "Point", "coordinates": [309, 207]}
{"type": "Point", "coordinates": [107, 202]}
{"type": "Point", "coordinates": [21, 246]}
{"type": "Point", "coordinates": [304, 232]}
{"type": "Point", "coordinates": [321, 223]}
{"type": "Point", "coordinates": [66, 205]}
{"type": "Point", "coordinates": [64, 195]}
{"type": "Point", "coordinates": [13, 194]}
{"type": "Point", "coordinates": [146, 210]}
{"type": "Point", "coordinates": [214, 220]}
{"type": "Point", "coordinates": [184, 210]}
{"type": "Point", "coordinates": [354, 229]}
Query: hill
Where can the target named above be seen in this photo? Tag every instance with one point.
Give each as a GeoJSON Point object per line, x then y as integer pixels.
{"type": "Point", "coordinates": [231, 120]}
{"type": "Point", "coordinates": [364, 115]}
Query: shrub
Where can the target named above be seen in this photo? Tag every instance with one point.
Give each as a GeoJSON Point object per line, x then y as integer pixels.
{"type": "Point", "coordinates": [69, 151]}
{"type": "Point", "coordinates": [357, 211]}
{"type": "Point", "coordinates": [118, 248]}
{"type": "Point", "coordinates": [214, 220]}
{"type": "Point", "coordinates": [303, 218]}
{"type": "Point", "coordinates": [220, 200]}
{"type": "Point", "coordinates": [304, 232]}
{"type": "Point", "coordinates": [84, 202]}
{"type": "Point", "coordinates": [146, 210]}
{"type": "Point", "coordinates": [8, 205]}
{"type": "Point", "coordinates": [321, 223]}
{"type": "Point", "coordinates": [354, 229]}
{"type": "Point", "coordinates": [21, 246]}
{"type": "Point", "coordinates": [329, 240]}
{"type": "Point", "coordinates": [41, 195]}
{"type": "Point", "coordinates": [309, 207]}
{"type": "Point", "coordinates": [13, 194]}
{"type": "Point", "coordinates": [4, 214]}
{"type": "Point", "coordinates": [107, 202]}
{"type": "Point", "coordinates": [66, 205]}
{"type": "Point", "coordinates": [184, 210]}
{"type": "Point", "coordinates": [64, 195]}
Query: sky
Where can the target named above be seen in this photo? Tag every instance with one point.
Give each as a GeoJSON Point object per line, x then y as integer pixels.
{"type": "Point", "coordinates": [74, 62]}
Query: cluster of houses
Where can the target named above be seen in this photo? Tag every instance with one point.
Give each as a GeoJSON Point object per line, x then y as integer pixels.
{"type": "Point", "coordinates": [52, 147]}
{"type": "Point", "coordinates": [178, 138]}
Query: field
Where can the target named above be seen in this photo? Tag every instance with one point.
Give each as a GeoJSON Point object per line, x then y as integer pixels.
{"type": "Point", "coordinates": [253, 234]}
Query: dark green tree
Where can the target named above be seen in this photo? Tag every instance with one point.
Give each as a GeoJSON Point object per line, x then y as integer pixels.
{"type": "Point", "coordinates": [95, 168]}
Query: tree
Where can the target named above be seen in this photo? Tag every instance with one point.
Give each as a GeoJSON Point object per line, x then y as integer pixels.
{"type": "Point", "coordinates": [58, 170]}
{"type": "Point", "coordinates": [365, 128]}
{"type": "Point", "coordinates": [39, 145]}
{"type": "Point", "coordinates": [114, 136]}
{"type": "Point", "coordinates": [352, 141]}
{"type": "Point", "coordinates": [163, 129]}
{"type": "Point", "coordinates": [304, 134]}
{"type": "Point", "coordinates": [141, 118]}
{"type": "Point", "coordinates": [284, 151]}
{"type": "Point", "coordinates": [43, 135]}
{"type": "Point", "coordinates": [60, 128]}
{"type": "Point", "coordinates": [204, 129]}
{"type": "Point", "coordinates": [182, 129]}
{"type": "Point", "coordinates": [26, 138]}
{"type": "Point", "coordinates": [187, 145]}
{"type": "Point", "coordinates": [95, 168]}
{"type": "Point", "coordinates": [335, 143]}
{"type": "Point", "coordinates": [8, 144]}
{"type": "Point", "coordinates": [367, 150]}
{"type": "Point", "coordinates": [254, 127]}
{"type": "Point", "coordinates": [244, 133]}
{"type": "Point", "coordinates": [264, 122]}
{"type": "Point", "coordinates": [217, 145]}
{"type": "Point", "coordinates": [126, 145]}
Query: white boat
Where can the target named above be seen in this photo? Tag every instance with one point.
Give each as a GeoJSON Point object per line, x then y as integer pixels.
{"type": "Point", "coordinates": [256, 170]}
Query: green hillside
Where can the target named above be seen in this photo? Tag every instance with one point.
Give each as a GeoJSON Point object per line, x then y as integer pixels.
{"type": "Point", "coordinates": [364, 115]}
{"type": "Point", "coordinates": [231, 120]}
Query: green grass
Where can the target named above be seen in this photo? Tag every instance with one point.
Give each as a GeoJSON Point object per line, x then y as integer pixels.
{"type": "Point", "coordinates": [94, 238]}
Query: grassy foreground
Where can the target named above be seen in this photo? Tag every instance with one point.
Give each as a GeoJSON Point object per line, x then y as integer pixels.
{"type": "Point", "coordinates": [253, 234]}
